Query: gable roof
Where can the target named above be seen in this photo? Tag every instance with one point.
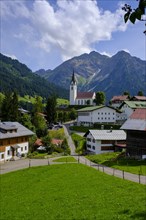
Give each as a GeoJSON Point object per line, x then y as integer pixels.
{"type": "Point", "coordinates": [120, 98]}
{"type": "Point", "coordinates": [137, 121]}
{"type": "Point", "coordinates": [139, 113]}
{"type": "Point", "coordinates": [56, 141]}
{"type": "Point", "coordinates": [21, 130]}
{"type": "Point", "coordinates": [135, 104]}
{"type": "Point", "coordinates": [107, 134]}
{"type": "Point", "coordinates": [141, 98]}
{"type": "Point", "coordinates": [85, 95]}
{"type": "Point", "coordinates": [91, 108]}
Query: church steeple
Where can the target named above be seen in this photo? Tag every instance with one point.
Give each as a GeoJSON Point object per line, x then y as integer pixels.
{"type": "Point", "coordinates": [73, 89]}
{"type": "Point", "coordinates": [73, 78]}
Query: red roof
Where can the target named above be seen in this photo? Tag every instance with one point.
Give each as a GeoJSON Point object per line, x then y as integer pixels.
{"type": "Point", "coordinates": [56, 141]}
{"type": "Point", "coordinates": [38, 142]}
{"type": "Point", "coordinates": [139, 113]}
{"type": "Point", "coordinates": [85, 95]}
{"type": "Point", "coordinates": [120, 98]}
{"type": "Point", "coordinates": [140, 98]}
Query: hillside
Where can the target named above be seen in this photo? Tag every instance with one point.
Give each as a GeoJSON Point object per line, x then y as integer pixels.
{"type": "Point", "coordinates": [96, 72]}
{"type": "Point", "coordinates": [15, 75]}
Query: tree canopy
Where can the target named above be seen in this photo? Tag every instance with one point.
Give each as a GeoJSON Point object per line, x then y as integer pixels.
{"type": "Point", "coordinates": [134, 14]}
{"type": "Point", "coordinates": [100, 98]}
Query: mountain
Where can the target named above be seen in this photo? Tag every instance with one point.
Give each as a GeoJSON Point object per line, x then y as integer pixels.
{"type": "Point", "coordinates": [17, 76]}
{"type": "Point", "coordinates": [96, 72]}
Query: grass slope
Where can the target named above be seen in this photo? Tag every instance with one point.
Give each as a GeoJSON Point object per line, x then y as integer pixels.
{"type": "Point", "coordinates": [67, 192]}
{"type": "Point", "coordinates": [121, 163]}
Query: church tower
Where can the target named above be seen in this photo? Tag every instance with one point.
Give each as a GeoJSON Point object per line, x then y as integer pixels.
{"type": "Point", "coordinates": [73, 90]}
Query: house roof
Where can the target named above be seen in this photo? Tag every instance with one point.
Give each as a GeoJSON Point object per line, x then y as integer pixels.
{"type": "Point", "coordinates": [120, 98]}
{"type": "Point", "coordinates": [21, 130]}
{"type": "Point", "coordinates": [91, 108]}
{"type": "Point", "coordinates": [85, 95]}
{"type": "Point", "coordinates": [38, 142]}
{"type": "Point", "coordinates": [142, 98]}
{"type": "Point", "coordinates": [56, 141]}
{"type": "Point", "coordinates": [139, 113]}
{"type": "Point", "coordinates": [135, 104]}
{"type": "Point", "coordinates": [107, 134]}
{"type": "Point", "coordinates": [137, 121]}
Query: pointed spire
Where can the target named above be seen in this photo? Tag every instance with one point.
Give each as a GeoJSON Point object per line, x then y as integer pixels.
{"type": "Point", "coordinates": [73, 77]}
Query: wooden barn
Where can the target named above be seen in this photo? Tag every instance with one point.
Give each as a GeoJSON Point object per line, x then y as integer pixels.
{"type": "Point", "coordinates": [135, 128]}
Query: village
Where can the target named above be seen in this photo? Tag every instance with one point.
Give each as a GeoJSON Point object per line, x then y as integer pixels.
{"type": "Point", "coordinates": [125, 113]}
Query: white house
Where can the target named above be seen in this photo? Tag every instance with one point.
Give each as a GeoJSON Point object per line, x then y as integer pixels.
{"type": "Point", "coordinates": [102, 141]}
{"type": "Point", "coordinates": [96, 114]}
{"type": "Point", "coordinates": [128, 107]}
{"type": "Point", "coordinates": [13, 140]}
{"type": "Point", "coordinates": [80, 98]}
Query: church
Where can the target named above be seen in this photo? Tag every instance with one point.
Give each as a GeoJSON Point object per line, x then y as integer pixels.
{"type": "Point", "coordinates": [80, 98]}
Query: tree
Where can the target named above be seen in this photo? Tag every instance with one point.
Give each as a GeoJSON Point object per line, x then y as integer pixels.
{"type": "Point", "coordinates": [40, 125]}
{"type": "Point", "coordinates": [9, 109]}
{"type": "Point", "coordinates": [134, 14]}
{"type": "Point", "coordinates": [51, 109]}
{"type": "Point", "coordinates": [38, 106]}
{"type": "Point", "coordinates": [73, 114]}
{"type": "Point", "coordinates": [26, 121]}
{"type": "Point", "coordinates": [126, 93]}
{"type": "Point", "coordinates": [100, 98]}
{"type": "Point", "coordinates": [140, 93]}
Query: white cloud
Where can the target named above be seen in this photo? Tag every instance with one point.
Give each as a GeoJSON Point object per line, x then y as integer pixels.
{"type": "Point", "coordinates": [71, 28]}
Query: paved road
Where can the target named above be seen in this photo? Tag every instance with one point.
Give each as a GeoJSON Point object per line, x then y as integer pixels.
{"type": "Point", "coordinates": [69, 139]}
{"type": "Point", "coordinates": [26, 163]}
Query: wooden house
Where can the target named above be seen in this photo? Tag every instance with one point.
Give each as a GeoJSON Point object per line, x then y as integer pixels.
{"type": "Point", "coordinates": [135, 128]}
{"type": "Point", "coordinates": [14, 139]}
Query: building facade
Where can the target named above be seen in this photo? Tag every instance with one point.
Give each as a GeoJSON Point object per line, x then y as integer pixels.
{"type": "Point", "coordinates": [14, 139]}
{"type": "Point", "coordinates": [135, 128]}
{"type": "Point", "coordinates": [103, 141]}
{"type": "Point", "coordinates": [96, 114]}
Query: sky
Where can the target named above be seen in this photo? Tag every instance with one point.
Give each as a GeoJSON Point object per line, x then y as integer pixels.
{"type": "Point", "coordinates": [44, 33]}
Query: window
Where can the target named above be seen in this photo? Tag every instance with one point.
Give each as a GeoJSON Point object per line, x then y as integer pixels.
{"type": "Point", "coordinates": [1, 142]}
{"type": "Point", "coordinates": [88, 146]}
{"type": "Point", "coordinates": [8, 152]}
{"type": "Point", "coordinates": [109, 113]}
{"type": "Point", "coordinates": [93, 140]}
{"type": "Point", "coordinates": [93, 147]}
{"type": "Point", "coordinates": [21, 148]}
{"type": "Point", "coordinates": [88, 139]}
{"type": "Point", "coordinates": [2, 156]}
{"type": "Point", "coordinates": [25, 147]}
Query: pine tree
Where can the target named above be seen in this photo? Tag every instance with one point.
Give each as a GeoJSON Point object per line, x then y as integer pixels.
{"type": "Point", "coordinates": [51, 109]}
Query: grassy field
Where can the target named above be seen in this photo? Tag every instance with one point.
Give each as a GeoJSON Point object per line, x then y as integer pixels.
{"type": "Point", "coordinates": [126, 164]}
{"type": "Point", "coordinates": [69, 192]}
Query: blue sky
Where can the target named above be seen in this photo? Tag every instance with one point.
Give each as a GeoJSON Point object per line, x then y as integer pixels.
{"type": "Point", "coordinates": [44, 33]}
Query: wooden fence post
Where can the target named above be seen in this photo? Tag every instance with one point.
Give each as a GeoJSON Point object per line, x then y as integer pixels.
{"type": "Point", "coordinates": [29, 163]}
{"type": "Point", "coordinates": [123, 174]}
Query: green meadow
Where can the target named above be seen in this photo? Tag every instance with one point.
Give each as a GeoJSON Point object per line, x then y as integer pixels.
{"type": "Point", "coordinates": [69, 192]}
{"type": "Point", "coordinates": [121, 163]}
